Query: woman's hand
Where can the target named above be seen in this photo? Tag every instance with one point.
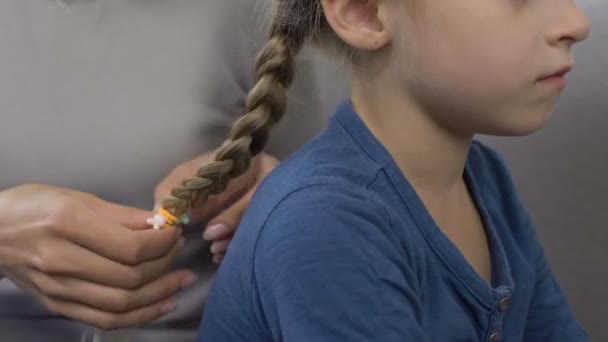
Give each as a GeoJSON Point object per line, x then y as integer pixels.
{"type": "Point", "coordinates": [223, 212]}
{"type": "Point", "coordinates": [88, 259]}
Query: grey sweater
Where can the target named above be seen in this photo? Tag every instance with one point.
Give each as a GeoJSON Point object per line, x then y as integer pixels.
{"type": "Point", "coordinates": [107, 96]}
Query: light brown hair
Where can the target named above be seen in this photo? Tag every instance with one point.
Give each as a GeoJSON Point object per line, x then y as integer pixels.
{"type": "Point", "coordinates": [294, 23]}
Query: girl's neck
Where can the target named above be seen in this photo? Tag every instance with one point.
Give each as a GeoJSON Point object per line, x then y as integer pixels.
{"type": "Point", "coordinates": [430, 155]}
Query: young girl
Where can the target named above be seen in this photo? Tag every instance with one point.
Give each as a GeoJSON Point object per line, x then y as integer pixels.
{"type": "Point", "coordinates": [394, 224]}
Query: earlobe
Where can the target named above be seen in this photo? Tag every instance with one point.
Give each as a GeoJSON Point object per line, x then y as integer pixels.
{"type": "Point", "coordinates": [357, 23]}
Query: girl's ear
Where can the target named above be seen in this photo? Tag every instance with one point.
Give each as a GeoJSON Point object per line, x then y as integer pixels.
{"type": "Point", "coordinates": [359, 23]}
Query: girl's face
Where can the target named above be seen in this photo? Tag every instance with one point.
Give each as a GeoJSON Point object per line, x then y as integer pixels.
{"type": "Point", "coordinates": [479, 65]}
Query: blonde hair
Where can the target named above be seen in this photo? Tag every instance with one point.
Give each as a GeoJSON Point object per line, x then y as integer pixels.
{"type": "Point", "coordinates": [294, 23]}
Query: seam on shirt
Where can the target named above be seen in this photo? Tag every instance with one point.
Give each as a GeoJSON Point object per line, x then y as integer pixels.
{"type": "Point", "coordinates": [361, 149]}
{"type": "Point", "coordinates": [416, 216]}
{"type": "Point", "coordinates": [310, 183]}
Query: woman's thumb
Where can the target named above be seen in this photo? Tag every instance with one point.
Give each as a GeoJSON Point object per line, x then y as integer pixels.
{"type": "Point", "coordinates": [129, 217]}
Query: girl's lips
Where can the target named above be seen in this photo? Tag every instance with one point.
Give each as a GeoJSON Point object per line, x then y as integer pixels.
{"type": "Point", "coordinates": [557, 79]}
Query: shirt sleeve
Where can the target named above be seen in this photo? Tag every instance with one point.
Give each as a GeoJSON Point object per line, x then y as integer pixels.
{"type": "Point", "coordinates": [326, 269]}
{"type": "Point", "coordinates": [550, 317]}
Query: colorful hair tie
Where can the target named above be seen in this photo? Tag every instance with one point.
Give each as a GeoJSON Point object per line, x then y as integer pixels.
{"type": "Point", "coordinates": [163, 219]}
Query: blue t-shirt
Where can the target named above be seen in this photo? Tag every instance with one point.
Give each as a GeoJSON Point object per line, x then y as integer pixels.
{"type": "Point", "coordinates": [337, 246]}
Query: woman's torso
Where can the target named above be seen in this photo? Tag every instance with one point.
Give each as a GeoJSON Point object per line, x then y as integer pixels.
{"type": "Point", "coordinates": [108, 96]}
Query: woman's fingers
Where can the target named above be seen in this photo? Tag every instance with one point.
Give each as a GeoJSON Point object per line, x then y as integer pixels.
{"type": "Point", "coordinates": [110, 299]}
{"type": "Point", "coordinates": [220, 247]}
{"type": "Point", "coordinates": [59, 257]}
{"type": "Point", "coordinates": [225, 224]}
{"type": "Point", "coordinates": [106, 320]}
{"type": "Point", "coordinates": [116, 242]}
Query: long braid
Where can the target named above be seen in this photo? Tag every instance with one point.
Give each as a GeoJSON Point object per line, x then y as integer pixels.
{"type": "Point", "coordinates": [265, 106]}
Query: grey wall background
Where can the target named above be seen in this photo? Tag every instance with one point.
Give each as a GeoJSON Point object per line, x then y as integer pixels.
{"type": "Point", "coordinates": [562, 175]}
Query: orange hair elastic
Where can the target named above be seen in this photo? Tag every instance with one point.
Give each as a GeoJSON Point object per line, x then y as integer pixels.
{"type": "Point", "coordinates": [163, 219]}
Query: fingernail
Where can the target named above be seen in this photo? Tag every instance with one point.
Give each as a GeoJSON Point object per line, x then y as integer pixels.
{"type": "Point", "coordinates": [188, 281]}
{"type": "Point", "coordinates": [214, 248]}
{"type": "Point", "coordinates": [214, 230]}
{"type": "Point", "coordinates": [168, 307]}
